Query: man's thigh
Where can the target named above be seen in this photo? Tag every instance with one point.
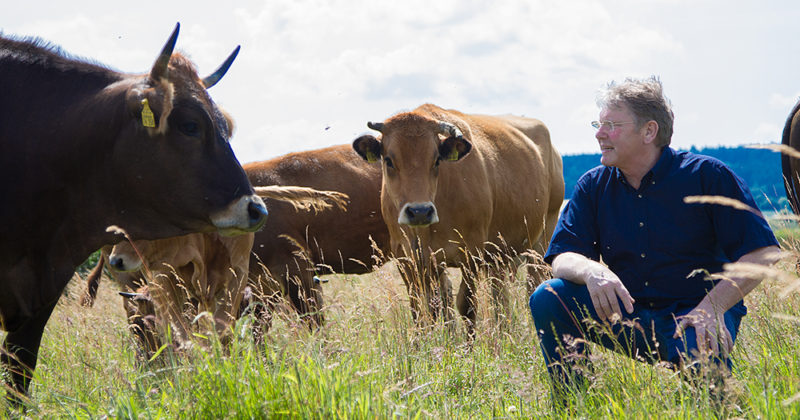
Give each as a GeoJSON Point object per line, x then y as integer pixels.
{"type": "Point", "coordinates": [644, 334]}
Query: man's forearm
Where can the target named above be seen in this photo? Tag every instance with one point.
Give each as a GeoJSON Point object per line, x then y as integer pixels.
{"type": "Point", "coordinates": [575, 267]}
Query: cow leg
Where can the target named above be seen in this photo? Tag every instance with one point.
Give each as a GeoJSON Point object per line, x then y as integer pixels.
{"type": "Point", "coordinates": [445, 294]}
{"type": "Point", "coordinates": [414, 286]}
{"type": "Point", "coordinates": [21, 351]}
{"type": "Point", "coordinates": [497, 279]}
{"type": "Point", "coordinates": [465, 301]}
{"type": "Point", "coordinates": [312, 294]}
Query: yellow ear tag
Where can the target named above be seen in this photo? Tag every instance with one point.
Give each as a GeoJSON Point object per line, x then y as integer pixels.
{"type": "Point", "coordinates": [371, 157]}
{"type": "Point", "coordinates": [148, 119]}
{"type": "Point", "coordinates": [453, 155]}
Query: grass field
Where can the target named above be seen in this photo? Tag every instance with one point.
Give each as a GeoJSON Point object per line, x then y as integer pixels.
{"type": "Point", "coordinates": [371, 361]}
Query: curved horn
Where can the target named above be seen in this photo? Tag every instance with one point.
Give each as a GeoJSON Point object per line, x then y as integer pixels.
{"type": "Point", "coordinates": [375, 126]}
{"type": "Point", "coordinates": [136, 296]}
{"type": "Point", "coordinates": [450, 129]}
{"type": "Point", "coordinates": [159, 69]}
{"type": "Point", "coordinates": [213, 78]}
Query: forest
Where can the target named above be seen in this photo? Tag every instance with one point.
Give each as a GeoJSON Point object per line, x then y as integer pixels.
{"type": "Point", "coordinates": [760, 169]}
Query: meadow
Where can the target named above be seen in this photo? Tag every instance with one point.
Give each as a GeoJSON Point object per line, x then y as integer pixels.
{"type": "Point", "coordinates": [372, 361]}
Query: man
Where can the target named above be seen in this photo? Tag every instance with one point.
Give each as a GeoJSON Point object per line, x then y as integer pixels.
{"type": "Point", "coordinates": [650, 294]}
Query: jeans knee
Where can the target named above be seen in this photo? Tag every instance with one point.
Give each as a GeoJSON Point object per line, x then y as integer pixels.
{"type": "Point", "coordinates": [544, 302]}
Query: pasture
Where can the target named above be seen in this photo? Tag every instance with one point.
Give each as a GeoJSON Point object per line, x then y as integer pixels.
{"type": "Point", "coordinates": [371, 361]}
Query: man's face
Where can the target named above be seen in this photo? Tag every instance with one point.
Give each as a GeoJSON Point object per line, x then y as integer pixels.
{"type": "Point", "coordinates": [624, 145]}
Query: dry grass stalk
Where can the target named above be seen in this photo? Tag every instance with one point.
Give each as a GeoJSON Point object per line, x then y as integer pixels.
{"type": "Point", "coordinates": [721, 200]}
{"type": "Point", "coordinates": [781, 148]}
{"type": "Point", "coordinates": [303, 198]}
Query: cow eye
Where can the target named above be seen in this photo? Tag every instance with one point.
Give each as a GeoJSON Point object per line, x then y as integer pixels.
{"type": "Point", "coordinates": [189, 128]}
{"type": "Point", "coordinates": [388, 162]}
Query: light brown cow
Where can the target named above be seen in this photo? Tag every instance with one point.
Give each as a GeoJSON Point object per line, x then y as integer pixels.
{"type": "Point", "coordinates": [453, 182]}
{"type": "Point", "coordinates": [294, 246]}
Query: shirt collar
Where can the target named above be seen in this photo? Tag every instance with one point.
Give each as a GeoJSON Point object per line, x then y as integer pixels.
{"type": "Point", "coordinates": [657, 173]}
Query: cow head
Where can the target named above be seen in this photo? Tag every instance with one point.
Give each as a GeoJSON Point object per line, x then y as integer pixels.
{"type": "Point", "coordinates": [124, 256]}
{"type": "Point", "coordinates": [412, 147]}
{"type": "Point", "coordinates": [173, 157]}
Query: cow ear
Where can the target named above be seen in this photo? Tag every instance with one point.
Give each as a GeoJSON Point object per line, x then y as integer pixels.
{"type": "Point", "coordinates": [368, 147]}
{"type": "Point", "coordinates": [150, 105]}
{"type": "Point", "coordinates": [454, 148]}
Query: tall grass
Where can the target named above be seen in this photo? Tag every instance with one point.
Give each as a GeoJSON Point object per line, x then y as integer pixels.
{"type": "Point", "coordinates": [371, 361]}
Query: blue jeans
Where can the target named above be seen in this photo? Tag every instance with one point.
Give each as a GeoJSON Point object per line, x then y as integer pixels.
{"type": "Point", "coordinates": [561, 309]}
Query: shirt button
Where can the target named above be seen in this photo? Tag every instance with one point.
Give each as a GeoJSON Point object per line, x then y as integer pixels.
{"type": "Point", "coordinates": [651, 304]}
{"type": "Point", "coordinates": [647, 283]}
{"type": "Point", "coordinates": [641, 224]}
{"type": "Point", "coordinates": [643, 255]}
{"type": "Point", "coordinates": [640, 196]}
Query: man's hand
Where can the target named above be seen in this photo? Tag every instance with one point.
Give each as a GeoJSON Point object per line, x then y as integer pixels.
{"type": "Point", "coordinates": [708, 318]}
{"type": "Point", "coordinates": [709, 325]}
{"type": "Point", "coordinates": [606, 290]}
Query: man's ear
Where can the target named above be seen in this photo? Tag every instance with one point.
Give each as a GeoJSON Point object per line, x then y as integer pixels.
{"type": "Point", "coordinates": [368, 147]}
{"type": "Point", "coordinates": [454, 148]}
{"type": "Point", "coordinates": [650, 131]}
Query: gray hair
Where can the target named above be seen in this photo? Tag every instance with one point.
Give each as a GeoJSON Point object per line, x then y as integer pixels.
{"type": "Point", "coordinates": [645, 99]}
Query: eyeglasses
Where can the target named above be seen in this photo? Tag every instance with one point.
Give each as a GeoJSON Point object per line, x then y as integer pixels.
{"type": "Point", "coordinates": [610, 125]}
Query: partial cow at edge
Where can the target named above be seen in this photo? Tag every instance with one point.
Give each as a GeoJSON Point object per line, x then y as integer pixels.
{"type": "Point", "coordinates": [83, 147]}
{"type": "Point", "coordinates": [452, 183]}
{"type": "Point", "coordinates": [790, 165]}
{"type": "Point", "coordinates": [294, 247]}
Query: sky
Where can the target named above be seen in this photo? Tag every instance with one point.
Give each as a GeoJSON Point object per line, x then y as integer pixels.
{"type": "Point", "coordinates": [311, 73]}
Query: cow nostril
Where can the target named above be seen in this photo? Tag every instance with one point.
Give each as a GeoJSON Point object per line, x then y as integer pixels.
{"type": "Point", "coordinates": [256, 212]}
{"type": "Point", "coordinates": [117, 264]}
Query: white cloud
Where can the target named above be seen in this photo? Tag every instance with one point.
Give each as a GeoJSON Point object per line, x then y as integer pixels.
{"type": "Point", "coordinates": [310, 64]}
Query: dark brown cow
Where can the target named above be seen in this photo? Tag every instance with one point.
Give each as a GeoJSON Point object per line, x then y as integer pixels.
{"type": "Point", "coordinates": [453, 182]}
{"type": "Point", "coordinates": [790, 165]}
{"type": "Point", "coordinates": [332, 241]}
{"type": "Point", "coordinates": [83, 147]}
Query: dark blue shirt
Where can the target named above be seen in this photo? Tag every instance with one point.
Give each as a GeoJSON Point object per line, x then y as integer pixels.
{"type": "Point", "coordinates": [650, 238]}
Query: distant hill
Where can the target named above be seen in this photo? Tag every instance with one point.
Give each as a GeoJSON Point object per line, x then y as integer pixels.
{"type": "Point", "coordinates": [760, 169]}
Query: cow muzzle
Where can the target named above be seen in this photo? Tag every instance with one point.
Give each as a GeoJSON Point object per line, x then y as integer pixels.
{"type": "Point", "coordinates": [123, 262]}
{"type": "Point", "coordinates": [418, 214]}
{"type": "Point", "coordinates": [247, 214]}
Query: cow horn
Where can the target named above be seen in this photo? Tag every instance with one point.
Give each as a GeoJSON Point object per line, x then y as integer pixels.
{"type": "Point", "coordinates": [449, 129]}
{"type": "Point", "coordinates": [160, 69]}
{"type": "Point", "coordinates": [375, 126]}
{"type": "Point", "coordinates": [135, 296]}
{"type": "Point", "coordinates": [213, 78]}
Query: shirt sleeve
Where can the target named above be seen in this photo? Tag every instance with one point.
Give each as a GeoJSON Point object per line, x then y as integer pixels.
{"type": "Point", "coordinates": [576, 230]}
{"type": "Point", "coordinates": [738, 231]}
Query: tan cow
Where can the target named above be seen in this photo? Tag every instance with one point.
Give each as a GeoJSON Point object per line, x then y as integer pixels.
{"type": "Point", "coordinates": [453, 182]}
{"type": "Point", "coordinates": [192, 279]}
{"type": "Point", "coordinates": [198, 277]}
